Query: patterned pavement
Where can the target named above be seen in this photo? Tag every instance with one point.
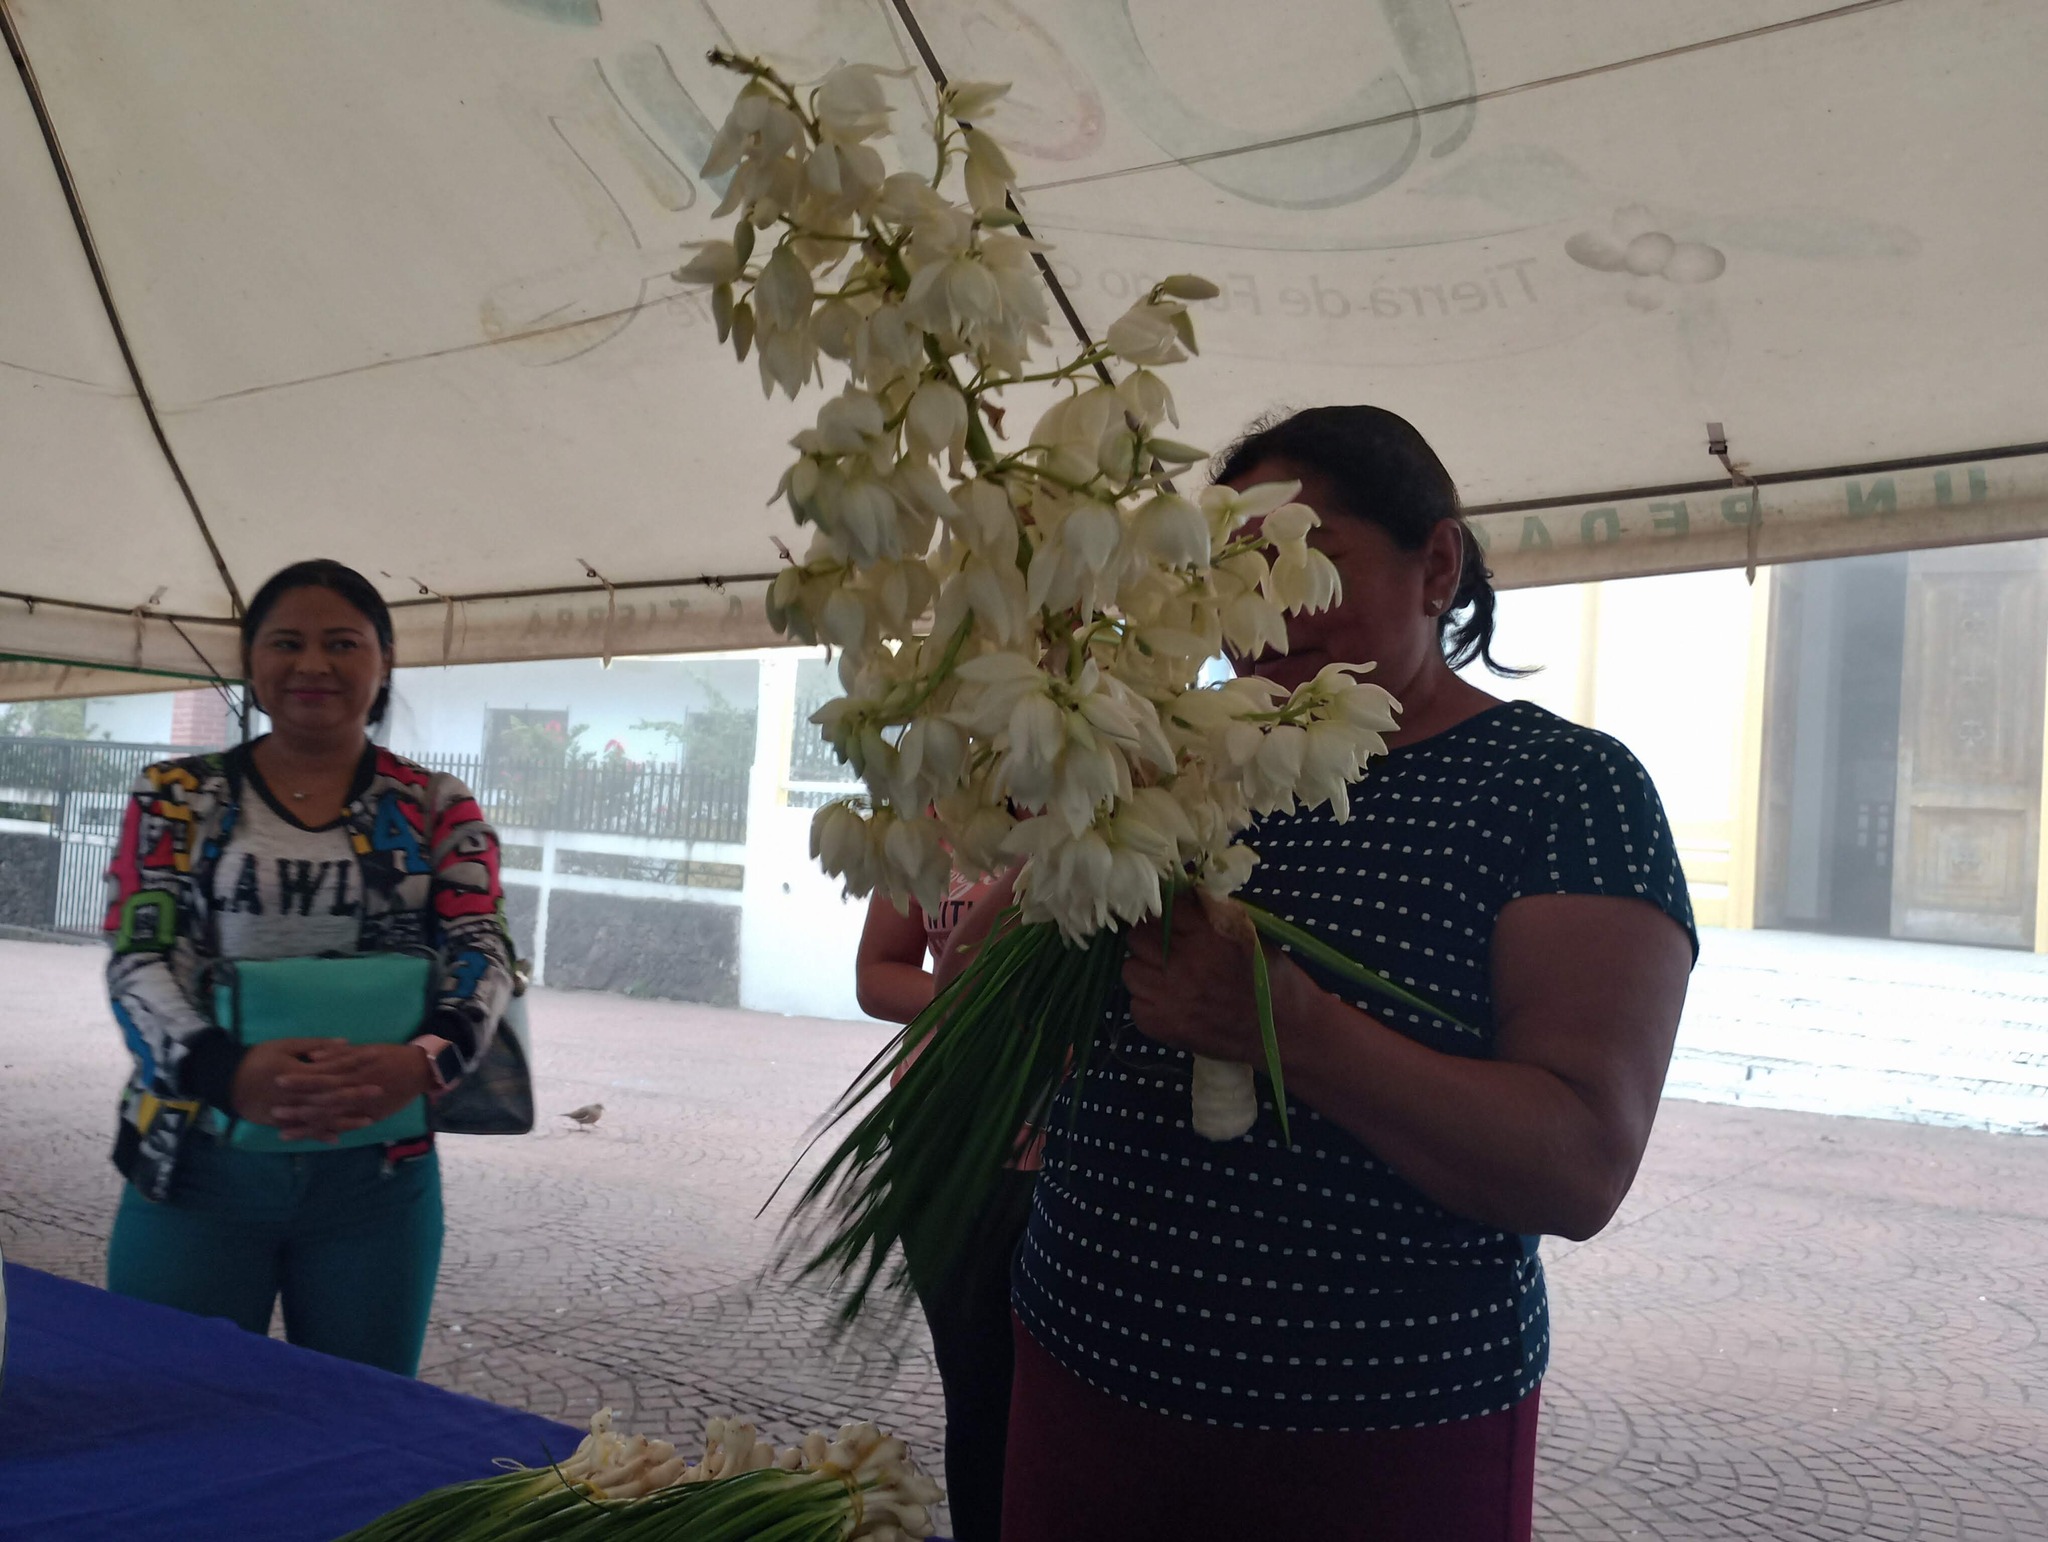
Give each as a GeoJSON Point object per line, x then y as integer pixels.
{"type": "Point", "coordinates": [1798, 1327]}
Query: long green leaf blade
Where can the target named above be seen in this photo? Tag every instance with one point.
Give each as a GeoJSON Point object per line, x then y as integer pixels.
{"type": "Point", "coordinates": [1262, 991]}
{"type": "Point", "coordinates": [1321, 952]}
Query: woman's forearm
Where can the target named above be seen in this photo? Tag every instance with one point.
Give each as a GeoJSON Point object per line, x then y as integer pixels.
{"type": "Point", "coordinates": [892, 991]}
{"type": "Point", "coordinates": [1508, 1145]}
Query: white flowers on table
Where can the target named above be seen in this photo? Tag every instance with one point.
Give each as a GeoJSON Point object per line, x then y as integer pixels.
{"type": "Point", "coordinates": [1020, 629]}
{"type": "Point", "coordinates": [860, 1484]}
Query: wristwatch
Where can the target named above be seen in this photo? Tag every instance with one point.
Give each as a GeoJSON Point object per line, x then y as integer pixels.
{"type": "Point", "coordinates": [444, 1062]}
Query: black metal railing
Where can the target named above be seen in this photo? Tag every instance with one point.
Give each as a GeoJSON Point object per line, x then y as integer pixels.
{"type": "Point", "coordinates": [75, 783]}
{"type": "Point", "coordinates": [41, 774]}
{"type": "Point", "coordinates": [663, 802]}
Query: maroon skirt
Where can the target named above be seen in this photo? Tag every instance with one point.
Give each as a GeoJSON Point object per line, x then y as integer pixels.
{"type": "Point", "coordinates": [1084, 1466]}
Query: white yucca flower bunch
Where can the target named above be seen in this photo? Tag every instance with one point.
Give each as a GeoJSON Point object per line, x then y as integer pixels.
{"type": "Point", "coordinates": [1020, 634]}
{"type": "Point", "coordinates": [858, 1486]}
{"type": "Point", "coordinates": [1021, 628]}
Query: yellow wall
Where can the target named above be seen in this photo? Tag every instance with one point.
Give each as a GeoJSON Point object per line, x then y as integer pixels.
{"type": "Point", "coordinates": [1673, 667]}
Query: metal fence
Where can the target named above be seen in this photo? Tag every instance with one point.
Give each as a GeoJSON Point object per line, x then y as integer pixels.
{"type": "Point", "coordinates": [76, 790]}
{"type": "Point", "coordinates": [663, 802]}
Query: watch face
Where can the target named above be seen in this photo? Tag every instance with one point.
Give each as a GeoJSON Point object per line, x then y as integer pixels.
{"type": "Point", "coordinates": [447, 1065]}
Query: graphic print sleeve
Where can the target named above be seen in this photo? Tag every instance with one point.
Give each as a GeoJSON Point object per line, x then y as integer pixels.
{"type": "Point", "coordinates": [468, 917]}
{"type": "Point", "coordinates": [178, 1051]}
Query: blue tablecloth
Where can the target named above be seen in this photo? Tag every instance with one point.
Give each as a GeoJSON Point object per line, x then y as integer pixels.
{"type": "Point", "coordinates": [120, 1420]}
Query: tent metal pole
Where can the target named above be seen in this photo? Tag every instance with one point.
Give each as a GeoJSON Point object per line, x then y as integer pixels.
{"type": "Point", "coordinates": [937, 71]}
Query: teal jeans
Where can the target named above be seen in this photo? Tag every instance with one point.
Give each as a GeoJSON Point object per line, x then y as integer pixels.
{"type": "Point", "coordinates": [352, 1249]}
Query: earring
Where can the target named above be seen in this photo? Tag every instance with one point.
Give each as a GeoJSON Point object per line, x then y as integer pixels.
{"type": "Point", "coordinates": [1436, 607]}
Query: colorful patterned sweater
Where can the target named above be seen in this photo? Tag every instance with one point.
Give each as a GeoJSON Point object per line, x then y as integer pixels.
{"type": "Point", "coordinates": [428, 877]}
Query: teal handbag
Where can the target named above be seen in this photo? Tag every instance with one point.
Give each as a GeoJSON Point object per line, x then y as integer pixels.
{"type": "Point", "coordinates": [367, 998]}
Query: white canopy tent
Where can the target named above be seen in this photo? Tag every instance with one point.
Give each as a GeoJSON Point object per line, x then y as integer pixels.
{"type": "Point", "coordinates": [389, 282]}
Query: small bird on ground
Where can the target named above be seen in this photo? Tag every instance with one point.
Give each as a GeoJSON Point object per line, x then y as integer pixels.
{"type": "Point", "coordinates": [587, 1115]}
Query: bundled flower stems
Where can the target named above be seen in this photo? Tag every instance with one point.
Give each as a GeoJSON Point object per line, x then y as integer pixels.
{"type": "Point", "coordinates": [859, 1487]}
{"type": "Point", "coordinates": [1020, 627]}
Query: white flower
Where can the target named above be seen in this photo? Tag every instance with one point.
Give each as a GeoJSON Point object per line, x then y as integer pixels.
{"type": "Point", "coordinates": [850, 424]}
{"type": "Point", "coordinates": [917, 862]}
{"type": "Point", "coordinates": [1304, 579]}
{"type": "Point", "coordinates": [1172, 531]}
{"type": "Point", "coordinates": [1227, 870]}
{"type": "Point", "coordinates": [971, 98]}
{"type": "Point", "coordinates": [887, 343]}
{"type": "Point", "coordinates": [1078, 432]}
{"type": "Point", "coordinates": [1074, 568]}
{"type": "Point", "coordinates": [1147, 399]}
{"type": "Point", "coordinates": [841, 842]}
{"type": "Point", "coordinates": [715, 263]}
{"type": "Point", "coordinates": [1146, 335]}
{"type": "Point", "coordinates": [1229, 510]}
{"type": "Point", "coordinates": [788, 360]}
{"type": "Point", "coordinates": [846, 178]}
{"type": "Point", "coordinates": [932, 757]}
{"type": "Point", "coordinates": [850, 104]}
{"type": "Point", "coordinates": [936, 419]}
{"type": "Point", "coordinates": [1253, 624]}
{"type": "Point", "coordinates": [783, 294]}
{"type": "Point", "coordinates": [1289, 524]}
{"type": "Point", "coordinates": [992, 593]}
{"type": "Point", "coordinates": [990, 175]}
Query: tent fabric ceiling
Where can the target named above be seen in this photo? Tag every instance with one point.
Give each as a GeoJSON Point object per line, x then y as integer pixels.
{"type": "Point", "coordinates": [395, 276]}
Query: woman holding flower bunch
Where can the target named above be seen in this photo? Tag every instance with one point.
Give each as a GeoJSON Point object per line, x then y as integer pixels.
{"type": "Point", "coordinates": [1345, 1336]}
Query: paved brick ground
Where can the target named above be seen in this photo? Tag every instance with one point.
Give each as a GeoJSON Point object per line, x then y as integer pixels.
{"type": "Point", "coordinates": [1799, 1327]}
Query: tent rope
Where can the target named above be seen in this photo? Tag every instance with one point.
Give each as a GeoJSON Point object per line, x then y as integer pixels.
{"type": "Point", "coordinates": [1717, 446]}
{"type": "Point", "coordinates": [611, 609]}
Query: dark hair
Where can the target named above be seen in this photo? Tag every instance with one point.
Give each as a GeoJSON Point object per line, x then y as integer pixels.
{"type": "Point", "coordinates": [1384, 471]}
{"type": "Point", "coordinates": [324, 573]}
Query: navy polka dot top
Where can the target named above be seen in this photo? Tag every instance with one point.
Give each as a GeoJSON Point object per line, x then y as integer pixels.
{"type": "Point", "coordinates": [1312, 1288]}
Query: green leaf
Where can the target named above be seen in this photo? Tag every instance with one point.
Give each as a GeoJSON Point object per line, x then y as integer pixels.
{"type": "Point", "coordinates": [742, 328]}
{"type": "Point", "coordinates": [1314, 948]}
{"type": "Point", "coordinates": [1184, 326]}
{"type": "Point", "coordinates": [743, 241]}
{"type": "Point", "coordinates": [1174, 453]}
{"type": "Point", "coordinates": [1262, 992]}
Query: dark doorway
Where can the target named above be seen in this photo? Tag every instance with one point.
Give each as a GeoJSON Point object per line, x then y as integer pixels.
{"type": "Point", "coordinates": [1831, 748]}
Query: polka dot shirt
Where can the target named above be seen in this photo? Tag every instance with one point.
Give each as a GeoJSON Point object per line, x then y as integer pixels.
{"type": "Point", "coordinates": [1310, 1287]}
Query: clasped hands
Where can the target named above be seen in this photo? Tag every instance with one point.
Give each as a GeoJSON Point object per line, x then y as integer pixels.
{"type": "Point", "coordinates": [322, 1089]}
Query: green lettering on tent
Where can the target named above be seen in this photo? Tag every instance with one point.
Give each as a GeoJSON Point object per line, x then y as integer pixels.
{"type": "Point", "coordinates": [1592, 519]}
{"type": "Point", "coordinates": [1883, 498]}
{"type": "Point", "coordinates": [1534, 532]}
{"type": "Point", "coordinates": [1671, 516]}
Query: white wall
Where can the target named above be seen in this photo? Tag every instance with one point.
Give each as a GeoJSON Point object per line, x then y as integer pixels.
{"type": "Point", "coordinates": [131, 719]}
{"type": "Point", "coordinates": [1539, 629]}
{"type": "Point", "coordinates": [444, 710]}
{"type": "Point", "coordinates": [1674, 659]}
{"type": "Point", "coordinates": [1670, 667]}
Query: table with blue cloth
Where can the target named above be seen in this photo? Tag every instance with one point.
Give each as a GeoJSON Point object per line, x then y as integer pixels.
{"type": "Point", "coordinates": [119, 1419]}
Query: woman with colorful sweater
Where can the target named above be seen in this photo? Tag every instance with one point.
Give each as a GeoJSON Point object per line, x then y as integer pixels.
{"type": "Point", "coordinates": [299, 1167]}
